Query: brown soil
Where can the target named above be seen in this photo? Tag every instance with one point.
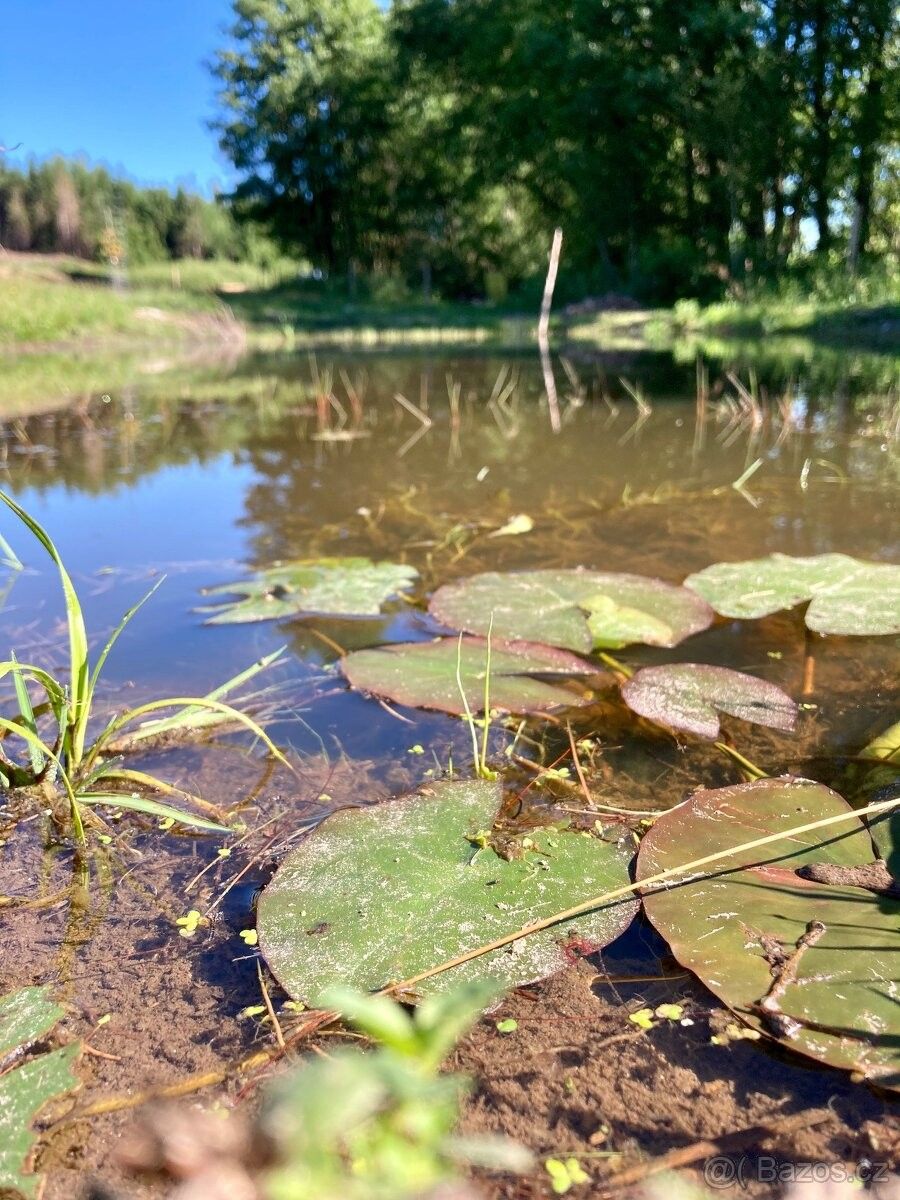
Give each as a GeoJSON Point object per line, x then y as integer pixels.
{"type": "Point", "coordinates": [577, 1077]}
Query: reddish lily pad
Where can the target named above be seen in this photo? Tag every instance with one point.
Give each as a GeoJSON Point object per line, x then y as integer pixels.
{"type": "Point", "coordinates": [423, 674]}
{"type": "Point", "coordinates": [580, 610]}
{"type": "Point", "coordinates": [739, 926]}
{"type": "Point", "coordinates": [376, 895]}
{"type": "Point", "coordinates": [689, 696]}
{"type": "Point", "coordinates": [847, 596]}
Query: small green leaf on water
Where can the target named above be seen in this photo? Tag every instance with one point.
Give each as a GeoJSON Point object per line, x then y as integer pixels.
{"type": "Point", "coordinates": [507, 1025]}
{"type": "Point", "coordinates": [249, 937]}
{"type": "Point", "coordinates": [565, 1174]}
{"type": "Point", "coordinates": [669, 1012]}
{"type": "Point", "coordinates": [416, 749]}
{"type": "Point", "coordinates": [252, 1010]}
{"type": "Point", "coordinates": [190, 922]}
{"type": "Point", "coordinates": [223, 852]}
{"type": "Point", "coordinates": [643, 1018]}
{"type": "Point", "coordinates": [167, 823]}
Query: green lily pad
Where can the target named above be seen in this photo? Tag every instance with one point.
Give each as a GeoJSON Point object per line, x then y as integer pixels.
{"type": "Point", "coordinates": [580, 610]}
{"type": "Point", "coordinates": [734, 928]}
{"type": "Point", "coordinates": [25, 1017]}
{"type": "Point", "coordinates": [423, 674]}
{"type": "Point", "coordinates": [689, 696]}
{"type": "Point", "coordinates": [376, 895]}
{"type": "Point", "coordinates": [332, 586]}
{"type": "Point", "coordinates": [847, 596]}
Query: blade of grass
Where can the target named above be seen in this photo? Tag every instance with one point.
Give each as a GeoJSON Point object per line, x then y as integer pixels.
{"type": "Point", "coordinates": [470, 720]}
{"type": "Point", "coordinates": [78, 643]}
{"type": "Point", "coordinates": [114, 637]}
{"type": "Point", "coordinates": [234, 714]}
{"type": "Point", "coordinates": [153, 808]}
{"type": "Point", "coordinates": [660, 879]}
{"type": "Point", "coordinates": [194, 718]}
{"type": "Point", "coordinates": [26, 712]}
{"type": "Point", "coordinates": [33, 740]}
{"type": "Point", "coordinates": [151, 781]}
{"type": "Point", "coordinates": [487, 701]}
{"type": "Point", "coordinates": [10, 558]}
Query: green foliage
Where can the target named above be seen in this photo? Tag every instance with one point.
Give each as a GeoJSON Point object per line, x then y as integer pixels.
{"type": "Point", "coordinates": [443, 141]}
{"type": "Point", "coordinates": [65, 755]}
{"type": "Point", "coordinates": [847, 596]}
{"type": "Point", "coordinates": [337, 586]}
{"type": "Point", "coordinates": [743, 929]}
{"type": "Point", "coordinates": [375, 895]}
{"type": "Point", "coordinates": [67, 207]}
{"type": "Point", "coordinates": [379, 1125]}
{"type": "Point", "coordinates": [25, 1017]}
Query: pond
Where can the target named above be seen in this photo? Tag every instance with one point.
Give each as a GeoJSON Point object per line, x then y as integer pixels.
{"type": "Point", "coordinates": [202, 475]}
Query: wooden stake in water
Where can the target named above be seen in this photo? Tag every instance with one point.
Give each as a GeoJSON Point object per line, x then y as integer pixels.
{"type": "Point", "coordinates": [544, 331]}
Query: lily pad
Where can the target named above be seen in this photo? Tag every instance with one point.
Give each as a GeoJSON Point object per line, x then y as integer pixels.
{"type": "Point", "coordinates": [689, 696]}
{"type": "Point", "coordinates": [423, 674]}
{"type": "Point", "coordinates": [580, 610]}
{"type": "Point", "coordinates": [333, 586]}
{"type": "Point", "coordinates": [25, 1017]}
{"type": "Point", "coordinates": [847, 596]}
{"type": "Point", "coordinates": [376, 895]}
{"type": "Point", "coordinates": [739, 927]}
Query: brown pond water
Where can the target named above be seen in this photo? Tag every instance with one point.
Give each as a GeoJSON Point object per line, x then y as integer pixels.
{"type": "Point", "coordinates": [201, 475]}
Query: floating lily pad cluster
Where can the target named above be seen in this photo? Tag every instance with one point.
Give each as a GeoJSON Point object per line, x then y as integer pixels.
{"type": "Point", "coordinates": [534, 619]}
{"type": "Point", "coordinates": [797, 936]}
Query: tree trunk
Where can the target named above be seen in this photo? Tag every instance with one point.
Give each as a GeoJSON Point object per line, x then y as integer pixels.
{"type": "Point", "coordinates": [869, 128]}
{"type": "Point", "coordinates": [821, 130]}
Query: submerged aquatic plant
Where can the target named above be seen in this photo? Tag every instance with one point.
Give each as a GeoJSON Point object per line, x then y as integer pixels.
{"type": "Point", "coordinates": [85, 769]}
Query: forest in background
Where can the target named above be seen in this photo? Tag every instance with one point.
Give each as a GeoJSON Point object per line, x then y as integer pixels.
{"type": "Point", "coordinates": [68, 207]}
{"type": "Point", "coordinates": [705, 149]}
{"type": "Point", "coordinates": [695, 148]}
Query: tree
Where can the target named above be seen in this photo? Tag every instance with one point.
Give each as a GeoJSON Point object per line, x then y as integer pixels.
{"type": "Point", "coordinates": [303, 89]}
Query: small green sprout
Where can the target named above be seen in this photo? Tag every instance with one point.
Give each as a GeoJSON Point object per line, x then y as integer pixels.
{"type": "Point", "coordinates": [669, 1012]}
{"type": "Point", "coordinates": [565, 1174]}
{"type": "Point", "coordinates": [643, 1018]}
{"type": "Point", "coordinates": [507, 1025]}
{"type": "Point", "coordinates": [191, 922]}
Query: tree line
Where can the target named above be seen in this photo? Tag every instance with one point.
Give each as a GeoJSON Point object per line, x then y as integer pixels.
{"type": "Point", "coordinates": [67, 207]}
{"type": "Point", "coordinates": [683, 147]}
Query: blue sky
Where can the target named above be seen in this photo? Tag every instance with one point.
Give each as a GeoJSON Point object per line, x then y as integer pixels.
{"type": "Point", "coordinates": [122, 82]}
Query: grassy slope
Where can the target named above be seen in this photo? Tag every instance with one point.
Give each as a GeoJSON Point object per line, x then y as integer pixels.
{"type": "Point", "coordinates": [49, 301]}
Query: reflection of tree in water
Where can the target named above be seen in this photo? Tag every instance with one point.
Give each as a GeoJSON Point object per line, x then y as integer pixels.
{"type": "Point", "coordinates": [382, 492]}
